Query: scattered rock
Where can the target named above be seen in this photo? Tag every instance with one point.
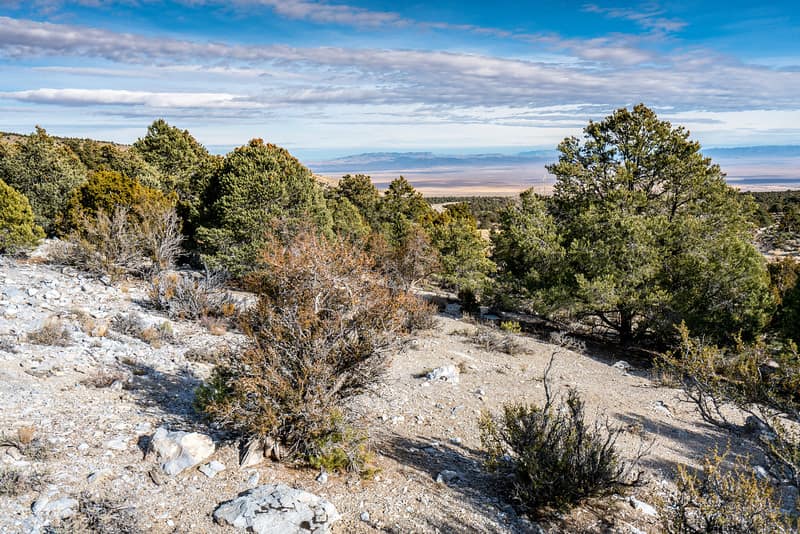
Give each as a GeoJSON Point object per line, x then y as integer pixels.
{"type": "Point", "coordinates": [364, 516]}
{"type": "Point", "coordinates": [254, 452]}
{"type": "Point", "coordinates": [455, 441]}
{"type": "Point", "coordinates": [276, 508]}
{"type": "Point", "coordinates": [622, 365]}
{"type": "Point", "coordinates": [118, 444]}
{"type": "Point", "coordinates": [212, 468]}
{"type": "Point", "coordinates": [253, 480]}
{"type": "Point", "coordinates": [643, 507]}
{"type": "Point", "coordinates": [661, 407]}
{"type": "Point", "coordinates": [322, 477]}
{"type": "Point", "coordinates": [58, 508]}
{"type": "Point", "coordinates": [99, 476]}
{"type": "Point", "coordinates": [446, 373]}
{"type": "Point", "coordinates": [761, 472]}
{"type": "Point", "coordinates": [180, 450]}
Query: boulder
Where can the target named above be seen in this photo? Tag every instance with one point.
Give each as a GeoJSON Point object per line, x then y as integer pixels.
{"type": "Point", "coordinates": [180, 450]}
{"type": "Point", "coordinates": [278, 508]}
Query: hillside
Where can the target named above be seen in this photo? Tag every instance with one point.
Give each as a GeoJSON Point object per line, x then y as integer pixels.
{"type": "Point", "coordinates": [93, 404]}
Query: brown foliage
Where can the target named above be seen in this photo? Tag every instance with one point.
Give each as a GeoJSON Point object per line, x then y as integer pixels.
{"type": "Point", "coordinates": [321, 332]}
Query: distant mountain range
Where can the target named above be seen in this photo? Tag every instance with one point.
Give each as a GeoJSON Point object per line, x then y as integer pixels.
{"type": "Point", "coordinates": [755, 167]}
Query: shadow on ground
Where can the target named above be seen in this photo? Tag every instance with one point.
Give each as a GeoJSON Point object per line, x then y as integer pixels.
{"type": "Point", "coordinates": [474, 486]}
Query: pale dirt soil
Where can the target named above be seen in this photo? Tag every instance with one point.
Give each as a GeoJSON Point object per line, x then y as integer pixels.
{"type": "Point", "coordinates": [416, 423]}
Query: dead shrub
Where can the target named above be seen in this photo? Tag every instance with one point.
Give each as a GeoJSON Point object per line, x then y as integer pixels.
{"type": "Point", "coordinates": [129, 241]}
{"type": "Point", "coordinates": [53, 332]}
{"type": "Point", "coordinates": [183, 296]}
{"type": "Point", "coordinates": [27, 443]}
{"type": "Point", "coordinates": [322, 331]}
{"type": "Point", "coordinates": [553, 456]}
{"type": "Point", "coordinates": [103, 379]}
{"type": "Point", "coordinates": [719, 501]}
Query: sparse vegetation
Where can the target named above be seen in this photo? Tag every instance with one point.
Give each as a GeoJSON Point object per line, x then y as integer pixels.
{"type": "Point", "coordinates": [491, 340]}
{"type": "Point", "coordinates": [321, 332]}
{"type": "Point", "coordinates": [132, 324]}
{"type": "Point", "coordinates": [554, 457]}
{"type": "Point", "coordinates": [101, 516]}
{"type": "Point", "coordinates": [52, 332]}
{"type": "Point", "coordinates": [720, 501]}
{"type": "Point", "coordinates": [186, 297]}
{"type": "Point", "coordinates": [758, 380]}
{"type": "Point", "coordinates": [15, 481]}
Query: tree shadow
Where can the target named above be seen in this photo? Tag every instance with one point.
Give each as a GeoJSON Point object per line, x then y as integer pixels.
{"type": "Point", "coordinates": [693, 443]}
{"type": "Point", "coordinates": [168, 396]}
{"type": "Point", "coordinates": [474, 486]}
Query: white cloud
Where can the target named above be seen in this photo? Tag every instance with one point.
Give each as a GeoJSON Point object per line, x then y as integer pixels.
{"type": "Point", "coordinates": [115, 97]}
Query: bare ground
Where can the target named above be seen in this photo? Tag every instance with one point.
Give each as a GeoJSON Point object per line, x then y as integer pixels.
{"type": "Point", "coordinates": [420, 428]}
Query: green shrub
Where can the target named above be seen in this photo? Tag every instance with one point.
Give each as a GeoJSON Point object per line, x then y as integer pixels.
{"type": "Point", "coordinates": [512, 327]}
{"type": "Point", "coordinates": [257, 186]}
{"type": "Point", "coordinates": [554, 457]}
{"type": "Point", "coordinates": [44, 170]}
{"type": "Point", "coordinates": [715, 501]}
{"type": "Point", "coordinates": [322, 331]}
{"type": "Point", "coordinates": [17, 227]}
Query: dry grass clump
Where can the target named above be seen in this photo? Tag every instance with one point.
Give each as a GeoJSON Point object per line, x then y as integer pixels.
{"type": "Point", "coordinates": [491, 340]}
{"type": "Point", "coordinates": [103, 379]}
{"type": "Point", "coordinates": [102, 516]}
{"type": "Point", "coordinates": [719, 501]}
{"type": "Point", "coordinates": [323, 330]}
{"type": "Point", "coordinates": [27, 443]}
{"type": "Point", "coordinates": [53, 332]}
{"type": "Point", "coordinates": [132, 324]}
{"type": "Point", "coordinates": [553, 457]}
{"type": "Point", "coordinates": [14, 481]}
{"type": "Point", "coordinates": [89, 325]}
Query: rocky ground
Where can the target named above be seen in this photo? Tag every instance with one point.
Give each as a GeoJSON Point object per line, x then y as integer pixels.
{"type": "Point", "coordinates": [82, 416]}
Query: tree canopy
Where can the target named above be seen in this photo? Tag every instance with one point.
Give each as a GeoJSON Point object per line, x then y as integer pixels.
{"type": "Point", "coordinates": [649, 232]}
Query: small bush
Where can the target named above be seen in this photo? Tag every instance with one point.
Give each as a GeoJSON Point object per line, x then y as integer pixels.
{"type": "Point", "coordinates": [555, 458]}
{"type": "Point", "coordinates": [53, 332]}
{"type": "Point", "coordinates": [762, 382]}
{"type": "Point", "coordinates": [184, 297]}
{"type": "Point", "coordinates": [322, 331]}
{"type": "Point", "coordinates": [715, 501]}
{"type": "Point", "coordinates": [18, 230]}
{"type": "Point", "coordinates": [132, 324]}
{"type": "Point", "coordinates": [27, 443]}
{"type": "Point", "coordinates": [492, 341]}
{"type": "Point", "coordinates": [512, 327]}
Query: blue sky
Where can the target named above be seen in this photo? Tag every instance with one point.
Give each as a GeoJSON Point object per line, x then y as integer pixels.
{"type": "Point", "coordinates": [328, 77]}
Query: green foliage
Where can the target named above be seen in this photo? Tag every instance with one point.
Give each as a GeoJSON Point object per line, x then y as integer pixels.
{"type": "Point", "coordinates": [555, 457]}
{"type": "Point", "coordinates": [462, 251]}
{"type": "Point", "coordinates": [106, 191]}
{"type": "Point", "coordinates": [486, 210]}
{"type": "Point", "coordinates": [528, 249]}
{"type": "Point", "coordinates": [716, 501]}
{"type": "Point", "coordinates": [17, 227]}
{"type": "Point", "coordinates": [257, 186]}
{"type": "Point", "coordinates": [402, 208]}
{"type": "Point", "coordinates": [361, 193]}
{"type": "Point", "coordinates": [785, 281]}
{"type": "Point", "coordinates": [348, 222]}
{"type": "Point", "coordinates": [512, 327]}
{"type": "Point", "coordinates": [44, 170]}
{"type": "Point", "coordinates": [114, 225]}
{"type": "Point", "coordinates": [649, 234]}
{"type": "Point", "coordinates": [100, 156]}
